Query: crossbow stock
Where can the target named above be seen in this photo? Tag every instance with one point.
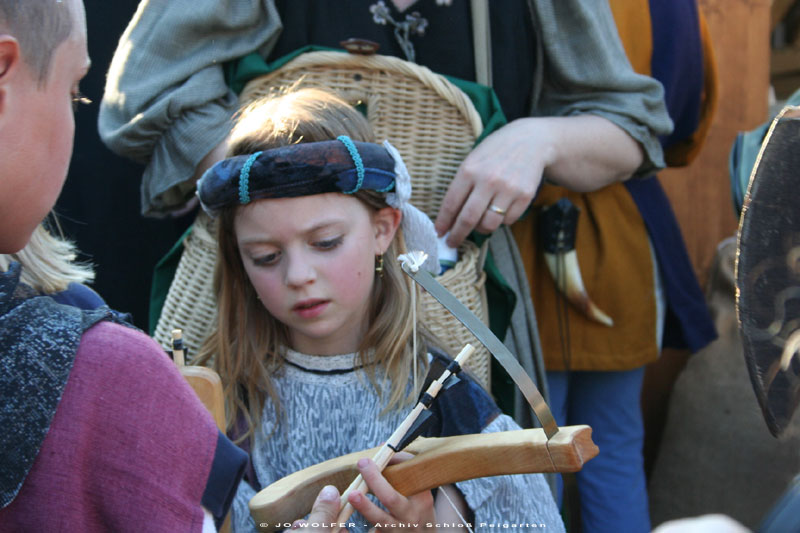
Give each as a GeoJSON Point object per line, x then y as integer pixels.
{"type": "Point", "coordinates": [436, 462]}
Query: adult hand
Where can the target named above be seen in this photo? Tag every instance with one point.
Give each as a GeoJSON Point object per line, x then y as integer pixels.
{"type": "Point", "coordinates": [498, 179]}
{"type": "Point", "coordinates": [494, 184]}
{"type": "Point", "coordinates": [409, 514]}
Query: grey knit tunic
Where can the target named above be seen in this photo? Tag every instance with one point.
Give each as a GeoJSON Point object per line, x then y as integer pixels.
{"type": "Point", "coordinates": [328, 415]}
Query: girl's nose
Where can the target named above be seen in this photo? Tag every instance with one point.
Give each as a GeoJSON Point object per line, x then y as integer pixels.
{"type": "Point", "coordinates": [299, 271]}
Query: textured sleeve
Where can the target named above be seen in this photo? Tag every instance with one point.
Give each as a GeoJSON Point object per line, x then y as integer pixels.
{"type": "Point", "coordinates": [584, 69]}
{"type": "Point", "coordinates": [241, 521]}
{"type": "Point", "coordinates": [140, 440]}
{"type": "Point", "coordinates": [166, 103]}
{"type": "Point", "coordinates": [521, 502]}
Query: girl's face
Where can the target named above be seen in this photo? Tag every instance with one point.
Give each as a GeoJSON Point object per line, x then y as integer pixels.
{"type": "Point", "coordinates": [311, 261]}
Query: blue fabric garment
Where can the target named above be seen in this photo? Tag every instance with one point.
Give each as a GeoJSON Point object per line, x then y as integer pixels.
{"type": "Point", "coordinates": [227, 469]}
{"type": "Point", "coordinates": [85, 298]}
{"type": "Point", "coordinates": [80, 296]}
{"type": "Point", "coordinates": [688, 322]}
{"type": "Point", "coordinates": [677, 62]}
{"type": "Point", "coordinates": [461, 409]}
{"type": "Point", "coordinates": [784, 517]}
{"type": "Point", "coordinates": [612, 486]}
{"type": "Point", "coordinates": [744, 152]}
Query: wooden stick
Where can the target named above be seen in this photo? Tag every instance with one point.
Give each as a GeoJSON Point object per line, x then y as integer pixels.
{"type": "Point", "coordinates": [207, 386]}
{"type": "Point", "coordinates": [385, 452]}
{"type": "Point", "coordinates": [177, 347]}
{"type": "Point", "coordinates": [204, 381]}
{"type": "Point", "coordinates": [437, 462]}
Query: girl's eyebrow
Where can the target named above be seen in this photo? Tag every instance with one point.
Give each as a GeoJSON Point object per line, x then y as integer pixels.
{"type": "Point", "coordinates": [322, 225]}
{"type": "Point", "coordinates": [261, 239]}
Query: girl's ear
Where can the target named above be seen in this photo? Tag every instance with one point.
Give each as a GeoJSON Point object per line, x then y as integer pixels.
{"type": "Point", "coordinates": [385, 222]}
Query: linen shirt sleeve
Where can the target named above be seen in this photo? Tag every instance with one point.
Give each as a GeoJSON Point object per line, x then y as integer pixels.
{"type": "Point", "coordinates": [166, 103]}
{"type": "Point", "coordinates": [582, 68]}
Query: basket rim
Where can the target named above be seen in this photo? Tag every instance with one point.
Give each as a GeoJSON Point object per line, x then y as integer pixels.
{"type": "Point", "coordinates": [324, 58]}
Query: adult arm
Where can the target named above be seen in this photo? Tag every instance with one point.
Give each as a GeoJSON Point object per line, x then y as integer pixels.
{"type": "Point", "coordinates": [166, 103]}
{"type": "Point", "coordinates": [594, 122]}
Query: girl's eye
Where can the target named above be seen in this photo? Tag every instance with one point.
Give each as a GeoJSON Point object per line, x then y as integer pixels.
{"type": "Point", "coordinates": [79, 98]}
{"type": "Point", "coordinates": [329, 244]}
{"type": "Point", "coordinates": [266, 260]}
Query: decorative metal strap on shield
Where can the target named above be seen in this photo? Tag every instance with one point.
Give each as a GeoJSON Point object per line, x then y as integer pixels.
{"type": "Point", "coordinates": [768, 272]}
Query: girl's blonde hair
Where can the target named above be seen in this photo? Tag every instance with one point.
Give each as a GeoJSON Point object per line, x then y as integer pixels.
{"type": "Point", "coordinates": [48, 262]}
{"type": "Point", "coordinates": [247, 343]}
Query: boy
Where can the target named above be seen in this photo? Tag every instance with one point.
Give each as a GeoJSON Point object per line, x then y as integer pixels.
{"type": "Point", "coordinates": [100, 431]}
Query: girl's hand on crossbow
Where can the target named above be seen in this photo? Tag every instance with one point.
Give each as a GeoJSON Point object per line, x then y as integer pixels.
{"type": "Point", "coordinates": [323, 513]}
{"type": "Point", "coordinates": [412, 513]}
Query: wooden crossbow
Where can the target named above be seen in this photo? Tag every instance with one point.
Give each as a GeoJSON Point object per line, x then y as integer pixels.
{"type": "Point", "coordinates": [436, 462]}
{"type": "Point", "coordinates": [445, 460]}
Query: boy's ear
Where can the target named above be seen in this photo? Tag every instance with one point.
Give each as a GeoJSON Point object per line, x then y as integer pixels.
{"type": "Point", "coordinates": [9, 56]}
{"type": "Point", "coordinates": [385, 222]}
{"type": "Point", "coordinates": [10, 60]}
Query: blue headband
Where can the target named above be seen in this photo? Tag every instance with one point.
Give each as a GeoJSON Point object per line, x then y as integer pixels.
{"type": "Point", "coordinates": [304, 169]}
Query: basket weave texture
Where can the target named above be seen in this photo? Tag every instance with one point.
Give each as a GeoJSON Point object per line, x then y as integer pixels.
{"type": "Point", "coordinates": [432, 123]}
{"type": "Point", "coordinates": [429, 120]}
{"type": "Point", "coordinates": [466, 280]}
{"type": "Point", "coordinates": [190, 304]}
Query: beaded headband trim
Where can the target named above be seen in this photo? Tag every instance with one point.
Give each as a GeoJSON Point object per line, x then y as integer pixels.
{"type": "Point", "coordinates": [351, 148]}
{"type": "Point", "coordinates": [244, 179]}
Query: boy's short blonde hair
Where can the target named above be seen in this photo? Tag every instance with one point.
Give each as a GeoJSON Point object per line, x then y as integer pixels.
{"type": "Point", "coordinates": [39, 26]}
{"type": "Point", "coordinates": [48, 261]}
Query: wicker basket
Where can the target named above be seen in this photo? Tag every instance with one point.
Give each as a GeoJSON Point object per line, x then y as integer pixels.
{"type": "Point", "coordinates": [466, 280]}
{"type": "Point", "coordinates": [432, 123]}
{"type": "Point", "coordinates": [190, 304]}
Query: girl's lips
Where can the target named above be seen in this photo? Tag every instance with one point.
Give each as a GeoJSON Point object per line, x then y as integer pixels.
{"type": "Point", "coordinates": [310, 308]}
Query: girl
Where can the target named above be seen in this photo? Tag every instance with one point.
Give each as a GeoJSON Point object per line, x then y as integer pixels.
{"type": "Point", "coordinates": [314, 338]}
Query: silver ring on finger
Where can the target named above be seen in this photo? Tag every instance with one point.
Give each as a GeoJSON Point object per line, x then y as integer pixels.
{"type": "Point", "coordinates": [497, 209]}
